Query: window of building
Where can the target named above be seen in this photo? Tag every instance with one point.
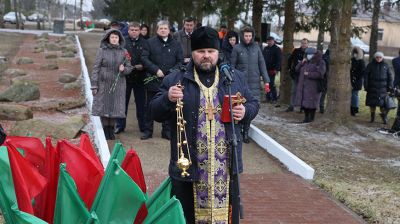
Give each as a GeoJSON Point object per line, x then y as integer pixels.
{"type": "Point", "coordinates": [380, 34]}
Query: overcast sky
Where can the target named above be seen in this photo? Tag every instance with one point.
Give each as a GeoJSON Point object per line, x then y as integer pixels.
{"type": "Point", "coordinates": [87, 4]}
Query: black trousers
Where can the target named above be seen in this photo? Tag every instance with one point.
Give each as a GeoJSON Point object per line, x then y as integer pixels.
{"type": "Point", "coordinates": [273, 95]}
{"type": "Point", "coordinates": [140, 102]}
{"type": "Point", "coordinates": [184, 193]}
{"type": "Point", "coordinates": [148, 120]}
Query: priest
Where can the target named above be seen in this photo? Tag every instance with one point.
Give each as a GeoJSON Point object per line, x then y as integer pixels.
{"type": "Point", "coordinates": [205, 191]}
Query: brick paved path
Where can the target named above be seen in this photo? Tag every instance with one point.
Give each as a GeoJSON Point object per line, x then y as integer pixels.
{"type": "Point", "coordinates": [281, 198]}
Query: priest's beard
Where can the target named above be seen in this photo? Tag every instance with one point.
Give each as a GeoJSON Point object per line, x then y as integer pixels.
{"type": "Point", "coordinates": [205, 67]}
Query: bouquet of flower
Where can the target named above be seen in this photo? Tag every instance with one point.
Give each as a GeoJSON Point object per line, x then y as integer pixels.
{"type": "Point", "coordinates": [149, 79]}
{"type": "Point", "coordinates": [126, 58]}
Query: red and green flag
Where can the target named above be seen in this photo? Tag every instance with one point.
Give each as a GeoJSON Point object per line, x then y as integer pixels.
{"type": "Point", "coordinates": [8, 200]}
{"type": "Point", "coordinates": [119, 198]}
{"type": "Point", "coordinates": [133, 168]}
{"type": "Point", "coordinates": [47, 199]}
{"type": "Point", "coordinates": [25, 218]}
{"type": "Point", "coordinates": [69, 206]}
{"type": "Point", "coordinates": [160, 197]}
{"type": "Point", "coordinates": [32, 149]}
{"type": "Point", "coordinates": [171, 212]}
{"type": "Point", "coordinates": [28, 182]}
{"type": "Point", "coordinates": [87, 147]}
{"type": "Point", "coordinates": [83, 169]}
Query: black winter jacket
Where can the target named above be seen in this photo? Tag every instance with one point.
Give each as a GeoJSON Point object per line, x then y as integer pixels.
{"type": "Point", "coordinates": [272, 56]}
{"type": "Point", "coordinates": [356, 73]}
{"type": "Point", "coordinates": [296, 57]}
{"type": "Point", "coordinates": [135, 49]}
{"type": "Point", "coordinates": [160, 54]}
{"type": "Point", "coordinates": [377, 82]}
{"type": "Point", "coordinates": [162, 109]}
{"type": "Point", "coordinates": [396, 68]}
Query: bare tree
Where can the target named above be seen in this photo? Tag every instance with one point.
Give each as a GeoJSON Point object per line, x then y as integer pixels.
{"type": "Point", "coordinates": [338, 102]}
{"type": "Point", "coordinates": [373, 41]}
{"type": "Point", "coordinates": [289, 28]}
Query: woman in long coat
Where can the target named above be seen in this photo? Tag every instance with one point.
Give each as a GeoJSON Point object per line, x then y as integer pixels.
{"type": "Point", "coordinates": [248, 58]}
{"type": "Point", "coordinates": [312, 70]}
{"type": "Point", "coordinates": [356, 77]}
{"type": "Point", "coordinates": [377, 82]}
{"type": "Point", "coordinates": [230, 40]}
{"type": "Point", "coordinates": [111, 65]}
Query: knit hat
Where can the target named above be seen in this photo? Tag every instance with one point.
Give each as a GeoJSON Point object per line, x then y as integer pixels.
{"type": "Point", "coordinates": [378, 54]}
{"type": "Point", "coordinates": [204, 37]}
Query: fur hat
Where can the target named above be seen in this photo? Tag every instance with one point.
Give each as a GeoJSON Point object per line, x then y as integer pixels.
{"type": "Point", "coordinates": [204, 37]}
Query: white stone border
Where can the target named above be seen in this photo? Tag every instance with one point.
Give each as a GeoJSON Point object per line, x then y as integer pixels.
{"type": "Point", "coordinates": [292, 162]}
{"type": "Point", "coordinates": [99, 137]}
{"type": "Point", "coordinates": [37, 32]}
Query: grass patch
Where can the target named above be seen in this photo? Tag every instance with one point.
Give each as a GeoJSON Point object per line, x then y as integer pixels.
{"type": "Point", "coordinates": [373, 202]}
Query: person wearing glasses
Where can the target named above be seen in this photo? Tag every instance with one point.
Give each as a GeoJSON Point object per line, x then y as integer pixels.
{"type": "Point", "coordinates": [377, 83]}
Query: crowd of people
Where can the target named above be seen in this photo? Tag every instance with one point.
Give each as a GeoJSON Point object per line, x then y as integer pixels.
{"type": "Point", "coordinates": [153, 58]}
{"type": "Point", "coordinates": [168, 69]}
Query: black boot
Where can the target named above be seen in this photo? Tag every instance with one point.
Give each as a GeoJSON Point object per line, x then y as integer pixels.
{"type": "Point", "coordinates": [246, 138]}
{"type": "Point", "coordinates": [372, 117]}
{"type": "Point", "coordinates": [245, 133]}
{"type": "Point", "coordinates": [356, 110]}
{"type": "Point", "coordinates": [306, 116]}
{"type": "Point", "coordinates": [312, 114]}
{"type": "Point", "coordinates": [384, 117]}
{"type": "Point", "coordinates": [111, 135]}
{"type": "Point", "coordinates": [353, 111]}
{"type": "Point", "coordinates": [321, 110]}
{"type": "Point", "coordinates": [289, 109]}
{"type": "Point", "coordinates": [106, 132]}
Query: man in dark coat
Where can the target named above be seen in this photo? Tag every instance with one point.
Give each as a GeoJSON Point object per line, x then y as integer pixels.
{"type": "Point", "coordinates": [356, 77]}
{"type": "Point", "coordinates": [183, 37]}
{"type": "Point", "coordinates": [247, 58]}
{"type": "Point", "coordinates": [272, 56]}
{"type": "Point", "coordinates": [378, 82]}
{"type": "Point", "coordinates": [134, 82]}
{"type": "Point", "coordinates": [396, 82]}
{"type": "Point", "coordinates": [161, 56]}
{"type": "Point", "coordinates": [207, 136]}
{"type": "Point", "coordinates": [296, 57]}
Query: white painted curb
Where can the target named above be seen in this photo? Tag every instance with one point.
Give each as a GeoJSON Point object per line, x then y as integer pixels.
{"type": "Point", "coordinates": [99, 137]}
{"type": "Point", "coordinates": [37, 32]}
{"type": "Point", "coordinates": [292, 162]}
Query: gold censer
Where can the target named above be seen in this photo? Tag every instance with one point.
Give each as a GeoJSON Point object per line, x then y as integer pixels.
{"type": "Point", "coordinates": [183, 163]}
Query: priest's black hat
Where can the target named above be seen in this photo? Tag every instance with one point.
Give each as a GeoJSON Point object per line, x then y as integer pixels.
{"type": "Point", "coordinates": [204, 37]}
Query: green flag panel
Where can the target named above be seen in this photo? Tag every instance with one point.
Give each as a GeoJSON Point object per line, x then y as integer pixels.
{"type": "Point", "coordinates": [69, 206]}
{"type": "Point", "coordinates": [119, 198]}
